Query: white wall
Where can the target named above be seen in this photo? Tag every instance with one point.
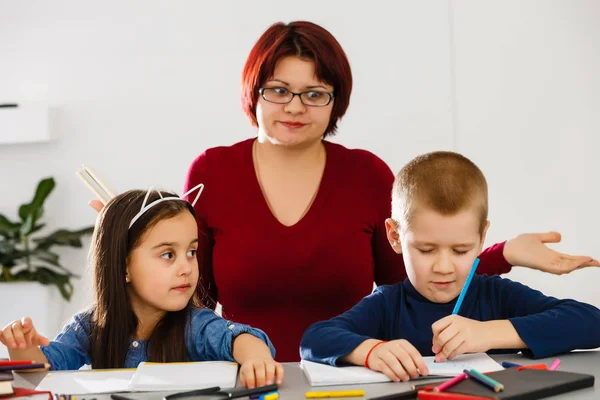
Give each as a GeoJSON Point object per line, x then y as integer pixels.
{"type": "Point", "coordinates": [137, 89]}
{"type": "Point", "coordinates": [528, 112]}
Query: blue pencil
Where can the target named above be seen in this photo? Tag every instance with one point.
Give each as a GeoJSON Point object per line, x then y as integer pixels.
{"type": "Point", "coordinates": [463, 292]}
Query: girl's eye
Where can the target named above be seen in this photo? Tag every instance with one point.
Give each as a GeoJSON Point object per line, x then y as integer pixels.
{"type": "Point", "coordinates": [426, 251]}
{"type": "Point", "coordinates": [192, 253]}
{"type": "Point", "coordinates": [461, 253]}
{"type": "Point", "coordinates": [167, 256]}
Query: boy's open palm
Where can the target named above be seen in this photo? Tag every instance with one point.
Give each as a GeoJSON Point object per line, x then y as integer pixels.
{"type": "Point", "coordinates": [21, 334]}
{"type": "Point", "coordinates": [454, 335]}
{"type": "Point", "coordinates": [398, 360]}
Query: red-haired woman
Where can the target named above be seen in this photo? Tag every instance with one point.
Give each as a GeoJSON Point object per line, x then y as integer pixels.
{"type": "Point", "coordinates": [292, 225]}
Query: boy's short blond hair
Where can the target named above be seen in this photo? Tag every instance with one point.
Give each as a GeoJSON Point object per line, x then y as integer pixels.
{"type": "Point", "coordinates": [442, 181]}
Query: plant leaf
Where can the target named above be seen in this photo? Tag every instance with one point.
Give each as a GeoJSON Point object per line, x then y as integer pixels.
{"type": "Point", "coordinates": [8, 228]}
{"type": "Point", "coordinates": [30, 213]}
{"type": "Point", "coordinates": [63, 237]}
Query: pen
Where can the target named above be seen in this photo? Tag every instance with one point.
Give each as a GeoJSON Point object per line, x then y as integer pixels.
{"type": "Point", "coordinates": [465, 288]}
{"type": "Point", "coordinates": [339, 393]}
{"type": "Point", "coordinates": [116, 396]}
{"type": "Point", "coordinates": [23, 367]}
{"type": "Point", "coordinates": [507, 364]}
{"type": "Point", "coordinates": [192, 393]}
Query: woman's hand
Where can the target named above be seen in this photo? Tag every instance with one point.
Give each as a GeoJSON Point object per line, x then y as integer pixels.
{"type": "Point", "coordinates": [530, 250]}
{"type": "Point", "coordinates": [96, 205]}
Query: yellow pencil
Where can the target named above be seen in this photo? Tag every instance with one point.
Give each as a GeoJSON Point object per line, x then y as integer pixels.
{"type": "Point", "coordinates": [340, 393]}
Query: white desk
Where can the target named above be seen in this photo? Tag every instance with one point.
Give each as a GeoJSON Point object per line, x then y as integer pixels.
{"type": "Point", "coordinates": [296, 385]}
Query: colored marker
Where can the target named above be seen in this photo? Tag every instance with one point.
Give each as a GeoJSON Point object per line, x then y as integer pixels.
{"type": "Point", "coordinates": [13, 363]}
{"type": "Point", "coordinates": [484, 380]}
{"type": "Point", "coordinates": [534, 366]}
{"type": "Point", "coordinates": [450, 383]}
{"type": "Point", "coordinates": [340, 393]}
{"type": "Point", "coordinates": [507, 364]}
{"type": "Point", "coordinates": [447, 396]}
{"type": "Point", "coordinates": [554, 365]}
{"type": "Point", "coordinates": [463, 292]}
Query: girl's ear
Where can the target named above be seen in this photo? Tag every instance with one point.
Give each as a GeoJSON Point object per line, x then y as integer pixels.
{"type": "Point", "coordinates": [393, 235]}
{"type": "Point", "coordinates": [127, 279]}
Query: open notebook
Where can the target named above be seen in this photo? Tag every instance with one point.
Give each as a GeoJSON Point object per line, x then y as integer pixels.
{"type": "Point", "coordinates": [325, 375]}
{"type": "Point", "coordinates": [148, 377]}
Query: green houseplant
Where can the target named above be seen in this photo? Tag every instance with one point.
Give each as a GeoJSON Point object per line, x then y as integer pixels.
{"type": "Point", "coordinates": [24, 258]}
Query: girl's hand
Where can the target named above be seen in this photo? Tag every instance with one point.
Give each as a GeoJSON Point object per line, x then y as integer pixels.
{"type": "Point", "coordinates": [256, 373]}
{"type": "Point", "coordinates": [21, 334]}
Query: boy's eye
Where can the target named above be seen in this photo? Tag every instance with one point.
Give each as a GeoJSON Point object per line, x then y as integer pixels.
{"type": "Point", "coordinates": [461, 253]}
{"type": "Point", "coordinates": [167, 256]}
{"type": "Point", "coordinates": [192, 253]}
{"type": "Point", "coordinates": [428, 251]}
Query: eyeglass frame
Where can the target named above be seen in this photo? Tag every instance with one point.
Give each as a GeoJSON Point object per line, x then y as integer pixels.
{"type": "Point", "coordinates": [261, 91]}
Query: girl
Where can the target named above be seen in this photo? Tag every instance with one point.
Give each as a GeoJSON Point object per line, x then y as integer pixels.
{"type": "Point", "coordinates": [145, 277]}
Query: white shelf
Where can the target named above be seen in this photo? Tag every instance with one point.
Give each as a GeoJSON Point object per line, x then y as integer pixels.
{"type": "Point", "coordinates": [27, 123]}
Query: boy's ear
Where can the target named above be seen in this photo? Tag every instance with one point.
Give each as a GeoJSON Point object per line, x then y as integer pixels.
{"type": "Point", "coordinates": [483, 233]}
{"type": "Point", "coordinates": [393, 235]}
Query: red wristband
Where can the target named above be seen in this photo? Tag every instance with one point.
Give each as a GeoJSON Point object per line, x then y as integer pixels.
{"type": "Point", "coordinates": [369, 353]}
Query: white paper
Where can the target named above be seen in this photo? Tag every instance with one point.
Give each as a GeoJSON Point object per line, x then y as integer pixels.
{"type": "Point", "coordinates": [184, 376]}
{"type": "Point", "coordinates": [479, 361]}
{"type": "Point", "coordinates": [325, 375]}
{"type": "Point", "coordinates": [87, 382]}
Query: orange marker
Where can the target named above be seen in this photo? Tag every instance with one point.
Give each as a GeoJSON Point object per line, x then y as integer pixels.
{"type": "Point", "coordinates": [535, 366]}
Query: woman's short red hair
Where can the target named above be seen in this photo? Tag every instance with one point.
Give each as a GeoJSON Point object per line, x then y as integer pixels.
{"type": "Point", "coordinates": [307, 41]}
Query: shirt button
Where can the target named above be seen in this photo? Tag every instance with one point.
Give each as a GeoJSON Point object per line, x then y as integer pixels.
{"type": "Point", "coordinates": [231, 326]}
{"type": "Point", "coordinates": [135, 343]}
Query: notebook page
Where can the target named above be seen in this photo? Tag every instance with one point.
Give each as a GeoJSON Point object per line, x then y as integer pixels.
{"type": "Point", "coordinates": [325, 375]}
{"type": "Point", "coordinates": [87, 382]}
{"type": "Point", "coordinates": [184, 376]}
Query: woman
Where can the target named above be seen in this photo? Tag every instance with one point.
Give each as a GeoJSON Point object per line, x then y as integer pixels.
{"type": "Point", "coordinates": [291, 225]}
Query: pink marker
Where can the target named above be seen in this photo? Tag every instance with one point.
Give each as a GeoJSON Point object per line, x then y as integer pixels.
{"type": "Point", "coordinates": [555, 365]}
{"type": "Point", "coordinates": [449, 383]}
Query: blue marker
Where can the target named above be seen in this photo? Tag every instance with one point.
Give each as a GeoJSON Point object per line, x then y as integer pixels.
{"type": "Point", "coordinates": [507, 364]}
{"type": "Point", "coordinates": [463, 292]}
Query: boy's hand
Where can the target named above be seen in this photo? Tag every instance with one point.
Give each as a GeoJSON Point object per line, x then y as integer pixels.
{"type": "Point", "coordinates": [454, 335]}
{"type": "Point", "coordinates": [256, 373]}
{"type": "Point", "coordinates": [398, 360]}
{"type": "Point", "coordinates": [20, 335]}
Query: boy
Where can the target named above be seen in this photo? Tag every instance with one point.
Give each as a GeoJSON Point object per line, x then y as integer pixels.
{"type": "Point", "coordinates": [439, 222]}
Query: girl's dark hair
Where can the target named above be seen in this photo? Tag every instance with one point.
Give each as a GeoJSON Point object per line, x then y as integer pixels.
{"type": "Point", "coordinates": [112, 320]}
